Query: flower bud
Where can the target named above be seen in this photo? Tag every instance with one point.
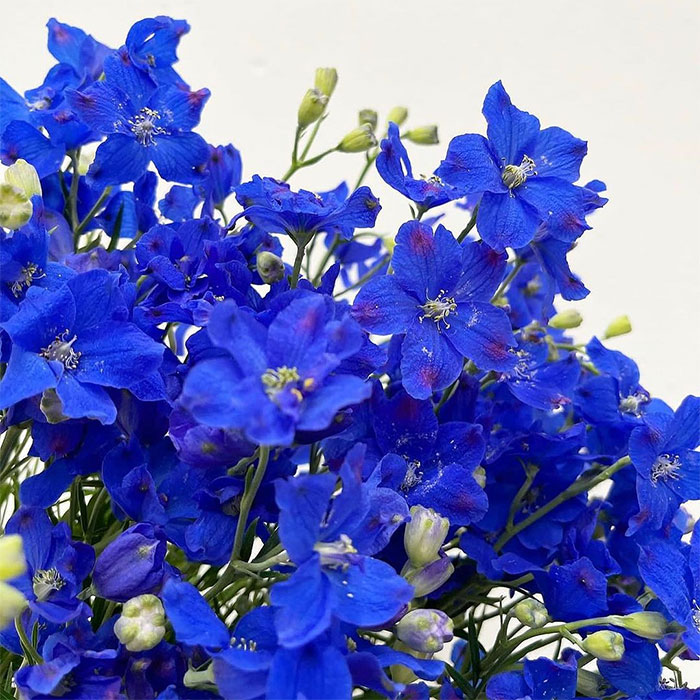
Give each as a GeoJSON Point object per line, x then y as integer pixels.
{"type": "Point", "coordinates": [326, 80]}
{"type": "Point", "coordinates": [12, 602]}
{"type": "Point", "coordinates": [24, 177]}
{"type": "Point", "coordinates": [131, 564]}
{"type": "Point", "coordinates": [398, 115]}
{"type": "Point", "coordinates": [141, 625]}
{"type": "Point", "coordinates": [202, 680]}
{"type": "Point", "coordinates": [424, 535]}
{"type": "Point", "coordinates": [423, 135]}
{"type": "Point", "coordinates": [269, 266]}
{"type": "Point", "coordinates": [426, 631]}
{"type": "Point", "coordinates": [368, 116]}
{"type": "Point", "coordinates": [566, 319]}
{"type": "Point", "coordinates": [12, 561]}
{"type": "Point", "coordinates": [311, 108]}
{"type": "Point", "coordinates": [15, 208]}
{"type": "Point", "coordinates": [650, 625]}
{"type": "Point", "coordinates": [479, 475]}
{"type": "Point", "coordinates": [531, 613]}
{"type": "Point", "coordinates": [605, 645]}
{"type": "Point", "coordinates": [618, 326]}
{"type": "Point", "coordinates": [358, 140]}
{"type": "Point", "coordinates": [428, 578]}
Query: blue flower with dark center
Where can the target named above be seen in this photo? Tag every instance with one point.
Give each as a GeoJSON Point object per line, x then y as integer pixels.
{"type": "Point", "coordinates": [439, 298]}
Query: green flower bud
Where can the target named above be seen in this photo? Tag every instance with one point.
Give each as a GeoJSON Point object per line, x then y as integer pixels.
{"type": "Point", "coordinates": [368, 116]}
{"type": "Point", "coordinates": [426, 631]}
{"type": "Point", "coordinates": [142, 623]}
{"type": "Point", "coordinates": [24, 177]}
{"type": "Point", "coordinates": [566, 319]}
{"type": "Point", "coordinates": [605, 645]}
{"type": "Point", "coordinates": [12, 602]}
{"type": "Point", "coordinates": [479, 475]}
{"type": "Point", "coordinates": [311, 108]}
{"type": "Point", "coordinates": [423, 135]}
{"type": "Point", "coordinates": [428, 578]}
{"type": "Point", "coordinates": [326, 80]}
{"type": "Point", "coordinates": [202, 680]}
{"type": "Point", "coordinates": [12, 561]}
{"type": "Point", "coordinates": [15, 207]}
{"type": "Point", "coordinates": [618, 326]}
{"type": "Point", "coordinates": [358, 140]}
{"type": "Point", "coordinates": [531, 613]}
{"type": "Point", "coordinates": [424, 535]}
{"type": "Point", "coordinates": [269, 266]}
{"type": "Point", "coordinates": [650, 625]}
{"type": "Point", "coordinates": [398, 115]}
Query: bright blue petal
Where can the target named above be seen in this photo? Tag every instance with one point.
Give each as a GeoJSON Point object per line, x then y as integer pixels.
{"type": "Point", "coordinates": [558, 154]}
{"type": "Point", "coordinates": [339, 391]}
{"type": "Point", "coordinates": [482, 271]}
{"type": "Point", "coordinates": [26, 375]}
{"type": "Point", "coordinates": [382, 306]}
{"type": "Point", "coordinates": [505, 220]}
{"type": "Point", "coordinates": [684, 431]}
{"type": "Point", "coordinates": [22, 140]}
{"type": "Point", "coordinates": [560, 206]}
{"type": "Point", "coordinates": [80, 400]}
{"type": "Point", "coordinates": [179, 156]}
{"type": "Point", "coordinates": [470, 165]}
{"type": "Point", "coordinates": [119, 159]}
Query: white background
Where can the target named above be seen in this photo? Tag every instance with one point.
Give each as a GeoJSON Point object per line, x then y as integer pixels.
{"type": "Point", "coordinates": [623, 75]}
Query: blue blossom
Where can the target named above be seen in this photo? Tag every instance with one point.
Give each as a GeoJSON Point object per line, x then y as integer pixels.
{"type": "Point", "coordinates": [541, 678]}
{"type": "Point", "coordinates": [438, 296]}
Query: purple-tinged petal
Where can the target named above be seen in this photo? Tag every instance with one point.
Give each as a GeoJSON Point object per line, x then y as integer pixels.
{"type": "Point", "coordinates": [382, 306]}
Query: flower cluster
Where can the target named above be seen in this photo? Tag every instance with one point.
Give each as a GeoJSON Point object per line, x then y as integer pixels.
{"type": "Point", "coordinates": [227, 475]}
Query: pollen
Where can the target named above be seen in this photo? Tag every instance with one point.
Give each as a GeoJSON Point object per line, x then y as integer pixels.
{"type": "Point", "coordinates": [665, 467]}
{"type": "Point", "coordinates": [27, 275]}
{"type": "Point", "coordinates": [514, 175]}
{"type": "Point", "coordinates": [439, 309]}
{"type": "Point", "coordinates": [274, 380]}
{"type": "Point", "coordinates": [61, 350]}
{"type": "Point", "coordinates": [145, 126]}
{"type": "Point", "coordinates": [45, 581]}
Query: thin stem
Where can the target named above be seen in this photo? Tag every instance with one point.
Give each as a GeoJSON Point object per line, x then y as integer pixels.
{"type": "Point", "coordinates": [368, 164]}
{"type": "Point", "coordinates": [93, 211]}
{"type": "Point", "coordinates": [74, 156]}
{"type": "Point", "coordinates": [312, 137]}
{"type": "Point", "coordinates": [27, 646]}
{"type": "Point", "coordinates": [470, 224]}
{"type": "Point", "coordinates": [367, 276]}
{"type": "Point", "coordinates": [506, 282]}
{"type": "Point", "coordinates": [326, 257]}
{"type": "Point", "coordinates": [575, 489]}
{"type": "Point", "coordinates": [301, 241]}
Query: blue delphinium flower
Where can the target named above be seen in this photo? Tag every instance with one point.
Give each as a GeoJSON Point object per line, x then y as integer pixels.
{"type": "Point", "coordinates": [526, 175]}
{"type": "Point", "coordinates": [540, 678]}
{"type": "Point", "coordinates": [77, 340]}
{"type": "Point", "coordinates": [438, 296]}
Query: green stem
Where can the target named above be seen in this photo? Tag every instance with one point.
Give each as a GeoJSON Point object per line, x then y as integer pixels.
{"type": "Point", "coordinates": [327, 256]}
{"type": "Point", "coordinates": [369, 161]}
{"type": "Point", "coordinates": [93, 211]}
{"type": "Point", "coordinates": [312, 137]}
{"type": "Point", "coordinates": [470, 224]}
{"type": "Point", "coordinates": [32, 654]}
{"type": "Point", "coordinates": [506, 282]}
{"type": "Point", "coordinates": [575, 489]}
{"type": "Point", "coordinates": [367, 276]}
{"type": "Point", "coordinates": [301, 241]}
{"type": "Point", "coordinates": [74, 156]}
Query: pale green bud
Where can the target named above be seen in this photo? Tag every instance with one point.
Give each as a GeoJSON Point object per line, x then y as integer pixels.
{"type": "Point", "coordinates": [202, 680]}
{"type": "Point", "coordinates": [566, 319]}
{"type": "Point", "coordinates": [423, 135]}
{"type": "Point", "coordinates": [650, 625]}
{"type": "Point", "coordinates": [12, 602]}
{"type": "Point", "coordinates": [531, 613]}
{"type": "Point", "coordinates": [24, 177]}
{"type": "Point", "coordinates": [426, 631]}
{"type": "Point", "coordinates": [326, 80]}
{"type": "Point", "coordinates": [479, 475]}
{"type": "Point", "coordinates": [618, 326]}
{"type": "Point", "coordinates": [368, 116]}
{"type": "Point", "coordinates": [311, 108]}
{"type": "Point", "coordinates": [428, 578]}
{"type": "Point", "coordinates": [269, 266]}
{"type": "Point", "coordinates": [398, 115]}
{"type": "Point", "coordinates": [142, 623]}
{"type": "Point", "coordinates": [424, 535]}
{"type": "Point", "coordinates": [15, 207]}
{"type": "Point", "coordinates": [604, 644]}
{"type": "Point", "coordinates": [52, 407]}
{"type": "Point", "coordinates": [12, 561]}
{"type": "Point", "coordinates": [358, 140]}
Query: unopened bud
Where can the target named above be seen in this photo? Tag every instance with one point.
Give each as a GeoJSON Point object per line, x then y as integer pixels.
{"type": "Point", "coordinates": [566, 319]}
{"type": "Point", "coordinates": [12, 603]}
{"type": "Point", "coordinates": [650, 625]}
{"type": "Point", "coordinates": [430, 577]}
{"type": "Point", "coordinates": [326, 80]}
{"type": "Point", "coordinates": [12, 561]}
{"type": "Point", "coordinates": [202, 680]}
{"type": "Point", "coordinates": [426, 631]}
{"type": "Point", "coordinates": [398, 115]}
{"type": "Point", "coordinates": [618, 326]}
{"type": "Point", "coordinates": [604, 644]}
{"type": "Point", "coordinates": [424, 535]}
{"type": "Point", "coordinates": [142, 623]}
{"type": "Point", "coordinates": [531, 613]}
{"type": "Point", "coordinates": [368, 116]}
{"type": "Point", "coordinates": [15, 208]}
{"type": "Point", "coordinates": [358, 140]}
{"type": "Point", "coordinates": [24, 177]}
{"type": "Point", "coordinates": [269, 266]}
{"type": "Point", "coordinates": [311, 108]}
{"type": "Point", "coordinates": [423, 135]}
{"type": "Point", "coordinates": [479, 475]}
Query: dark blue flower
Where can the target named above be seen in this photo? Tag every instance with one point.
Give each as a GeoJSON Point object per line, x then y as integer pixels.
{"type": "Point", "coordinates": [540, 679]}
{"type": "Point", "coordinates": [439, 297]}
{"type": "Point", "coordinates": [525, 173]}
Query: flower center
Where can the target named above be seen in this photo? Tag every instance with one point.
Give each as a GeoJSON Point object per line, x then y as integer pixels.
{"type": "Point", "coordinates": [439, 309]}
{"type": "Point", "coordinates": [631, 404]}
{"type": "Point", "coordinates": [61, 350]}
{"type": "Point", "coordinates": [412, 477]}
{"type": "Point", "coordinates": [337, 554]}
{"type": "Point", "coordinates": [45, 581]}
{"type": "Point", "coordinates": [514, 175]}
{"type": "Point", "coordinates": [26, 276]}
{"type": "Point", "coordinates": [144, 126]}
{"type": "Point", "coordinates": [665, 467]}
{"type": "Point", "coordinates": [274, 380]}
